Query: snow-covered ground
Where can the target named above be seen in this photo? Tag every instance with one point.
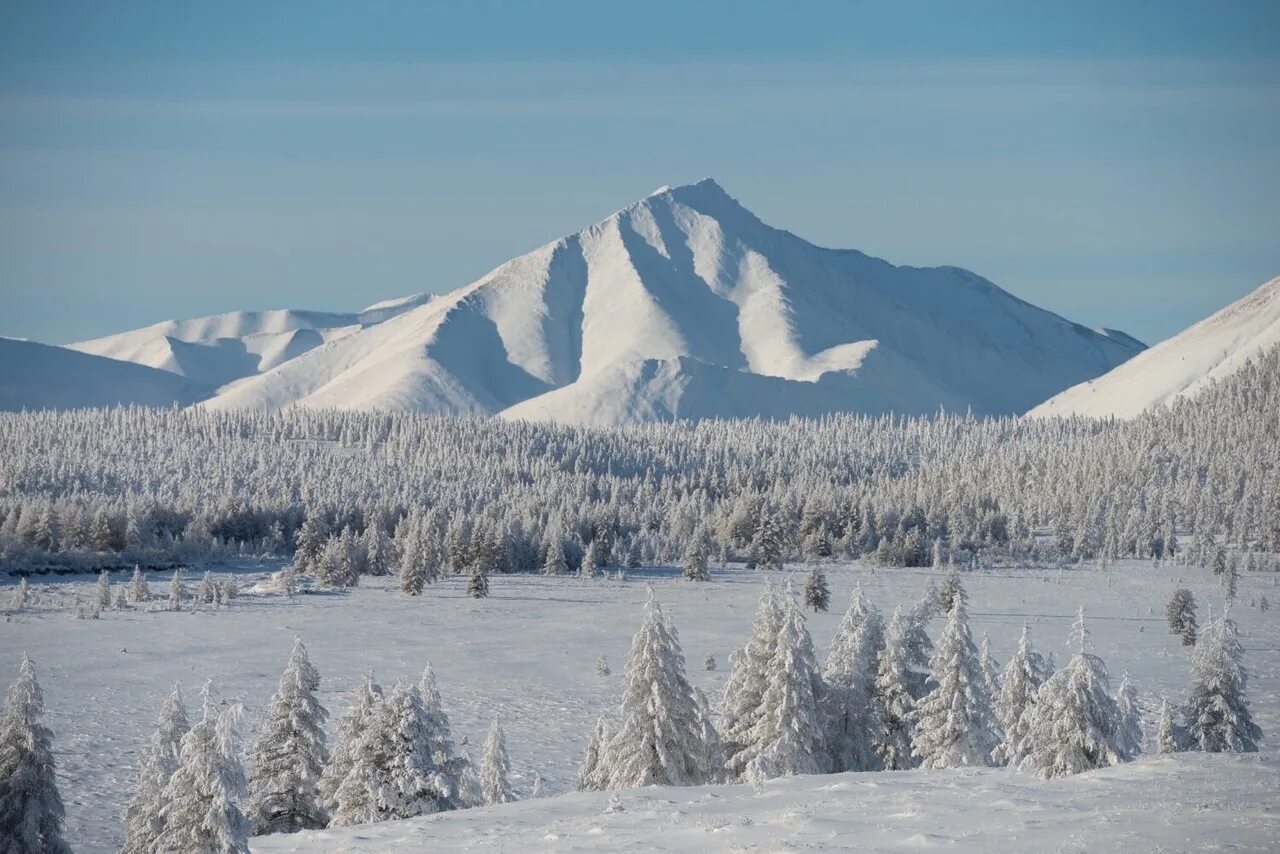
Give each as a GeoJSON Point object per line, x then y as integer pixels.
{"type": "Point", "coordinates": [527, 654]}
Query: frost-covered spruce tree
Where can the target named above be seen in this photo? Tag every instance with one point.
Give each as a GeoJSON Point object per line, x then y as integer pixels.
{"type": "Point", "coordinates": [1166, 730]}
{"type": "Point", "coordinates": [122, 598]}
{"type": "Point", "coordinates": [816, 593]}
{"type": "Point", "coordinates": [696, 567]}
{"type": "Point", "coordinates": [955, 722]}
{"type": "Point", "coordinates": [589, 567]}
{"type": "Point", "coordinates": [1216, 715]}
{"type": "Point", "coordinates": [31, 810]}
{"type": "Point", "coordinates": [392, 773]}
{"type": "Point", "coordinates": [661, 739]}
{"type": "Point", "coordinates": [1129, 735]}
{"type": "Point", "coordinates": [712, 745]}
{"type": "Point", "coordinates": [204, 796]}
{"type": "Point", "coordinates": [290, 753]}
{"type": "Point", "coordinates": [917, 649]}
{"type": "Point", "coordinates": [894, 705]}
{"type": "Point", "coordinates": [990, 670]}
{"type": "Point", "coordinates": [478, 583]}
{"type": "Point", "coordinates": [495, 768]}
{"type": "Point", "coordinates": [357, 721]}
{"type": "Point", "coordinates": [103, 591]}
{"type": "Point", "coordinates": [208, 590]}
{"type": "Point", "coordinates": [593, 775]}
{"type": "Point", "coordinates": [1075, 722]}
{"type": "Point", "coordinates": [602, 666]}
{"type": "Point", "coordinates": [748, 677]}
{"type": "Point", "coordinates": [535, 789]}
{"type": "Point", "coordinates": [377, 550]}
{"type": "Point", "coordinates": [852, 726]}
{"type": "Point", "coordinates": [310, 542]}
{"type": "Point", "coordinates": [950, 590]}
{"type": "Point", "coordinates": [142, 823]}
{"type": "Point", "coordinates": [788, 736]}
{"type": "Point", "coordinates": [419, 785]}
{"type": "Point", "coordinates": [1023, 676]}
{"type": "Point", "coordinates": [555, 563]}
{"type": "Point", "coordinates": [139, 590]}
{"type": "Point", "coordinates": [1180, 614]}
{"type": "Point", "coordinates": [709, 663]}
{"type": "Point", "coordinates": [453, 766]}
{"type": "Point", "coordinates": [767, 545]}
{"type": "Point", "coordinates": [177, 591]}
{"type": "Point", "coordinates": [21, 595]}
{"type": "Point", "coordinates": [413, 572]}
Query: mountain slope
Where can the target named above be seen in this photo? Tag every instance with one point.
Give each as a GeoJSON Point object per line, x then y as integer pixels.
{"type": "Point", "coordinates": [686, 305]}
{"type": "Point", "coordinates": [1180, 366]}
{"type": "Point", "coordinates": [221, 348]}
{"type": "Point", "coordinates": [40, 376]}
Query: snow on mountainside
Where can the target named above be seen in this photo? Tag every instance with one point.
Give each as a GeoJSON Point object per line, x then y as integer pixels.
{"type": "Point", "coordinates": [686, 305]}
{"type": "Point", "coordinates": [1180, 366]}
{"type": "Point", "coordinates": [224, 347]}
{"type": "Point", "coordinates": [40, 376]}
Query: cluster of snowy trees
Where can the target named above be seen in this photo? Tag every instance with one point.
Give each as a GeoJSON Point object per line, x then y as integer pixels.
{"type": "Point", "coordinates": [394, 758]}
{"type": "Point", "coordinates": [889, 698]}
{"type": "Point", "coordinates": [136, 593]}
{"type": "Point", "coordinates": [364, 492]}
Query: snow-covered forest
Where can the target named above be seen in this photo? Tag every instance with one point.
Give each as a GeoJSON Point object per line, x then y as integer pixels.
{"type": "Point", "coordinates": [842, 596]}
{"type": "Point", "coordinates": [125, 486]}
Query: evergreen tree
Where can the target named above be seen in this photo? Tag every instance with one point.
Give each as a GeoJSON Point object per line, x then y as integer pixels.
{"type": "Point", "coordinates": [418, 784]}
{"type": "Point", "coordinates": [748, 677]}
{"type": "Point", "coordinates": [555, 563]}
{"type": "Point", "coordinates": [495, 768]}
{"type": "Point", "coordinates": [602, 666]}
{"type": "Point", "coordinates": [1129, 734]}
{"type": "Point", "coordinates": [139, 590]}
{"type": "Point", "coordinates": [816, 593]}
{"type": "Point", "coordinates": [590, 562]}
{"type": "Point", "coordinates": [917, 649]}
{"type": "Point", "coordinates": [766, 546]}
{"type": "Point", "coordinates": [955, 722]}
{"type": "Point", "coordinates": [21, 595]}
{"type": "Point", "coordinates": [696, 567]}
{"type": "Point", "coordinates": [31, 810]}
{"type": "Point", "coordinates": [203, 797]}
{"type": "Point", "coordinates": [208, 591]}
{"type": "Point", "coordinates": [894, 705]}
{"type": "Point", "coordinates": [142, 817]}
{"type": "Point", "coordinates": [709, 663]}
{"type": "Point", "coordinates": [1216, 716]}
{"type": "Point", "coordinates": [661, 741]}
{"type": "Point", "coordinates": [122, 598]}
{"type": "Point", "coordinates": [1023, 676]}
{"type": "Point", "coordinates": [177, 591]}
{"type": "Point", "coordinates": [377, 550]}
{"type": "Point", "coordinates": [478, 583]}
{"type": "Point", "coordinates": [1166, 730]}
{"type": "Point", "coordinates": [290, 753]}
{"type": "Point", "coordinates": [788, 734]}
{"type": "Point", "coordinates": [360, 718]}
{"type": "Point", "coordinates": [535, 791]}
{"type": "Point", "coordinates": [1075, 724]}
{"type": "Point", "coordinates": [852, 727]}
{"type": "Point", "coordinates": [103, 591]}
{"type": "Point", "coordinates": [453, 767]}
{"type": "Point", "coordinates": [593, 774]}
{"type": "Point", "coordinates": [1180, 614]}
{"type": "Point", "coordinates": [990, 670]}
{"type": "Point", "coordinates": [310, 542]}
{"type": "Point", "coordinates": [950, 590]}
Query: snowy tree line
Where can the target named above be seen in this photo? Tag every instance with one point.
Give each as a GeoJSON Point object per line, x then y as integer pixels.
{"type": "Point", "coordinates": [889, 698]}
{"type": "Point", "coordinates": [371, 492]}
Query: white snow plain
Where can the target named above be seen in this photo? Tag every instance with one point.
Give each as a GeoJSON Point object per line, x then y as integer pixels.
{"type": "Point", "coordinates": [527, 655]}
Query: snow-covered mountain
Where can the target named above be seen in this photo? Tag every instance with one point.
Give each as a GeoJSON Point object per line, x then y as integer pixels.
{"type": "Point", "coordinates": [1180, 366]}
{"type": "Point", "coordinates": [218, 349]}
{"type": "Point", "coordinates": [40, 376]}
{"type": "Point", "coordinates": [686, 305]}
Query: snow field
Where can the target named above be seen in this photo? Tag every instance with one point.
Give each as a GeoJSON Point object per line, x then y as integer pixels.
{"type": "Point", "coordinates": [527, 655]}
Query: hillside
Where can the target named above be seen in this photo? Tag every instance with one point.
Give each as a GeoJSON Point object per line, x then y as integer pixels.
{"type": "Point", "coordinates": [39, 376]}
{"type": "Point", "coordinates": [1181, 366]}
{"type": "Point", "coordinates": [685, 305]}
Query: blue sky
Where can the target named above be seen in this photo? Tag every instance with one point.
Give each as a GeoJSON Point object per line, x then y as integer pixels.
{"type": "Point", "coordinates": [1113, 162]}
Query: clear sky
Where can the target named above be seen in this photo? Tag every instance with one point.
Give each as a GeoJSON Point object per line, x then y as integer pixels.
{"type": "Point", "coordinates": [1115, 162]}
